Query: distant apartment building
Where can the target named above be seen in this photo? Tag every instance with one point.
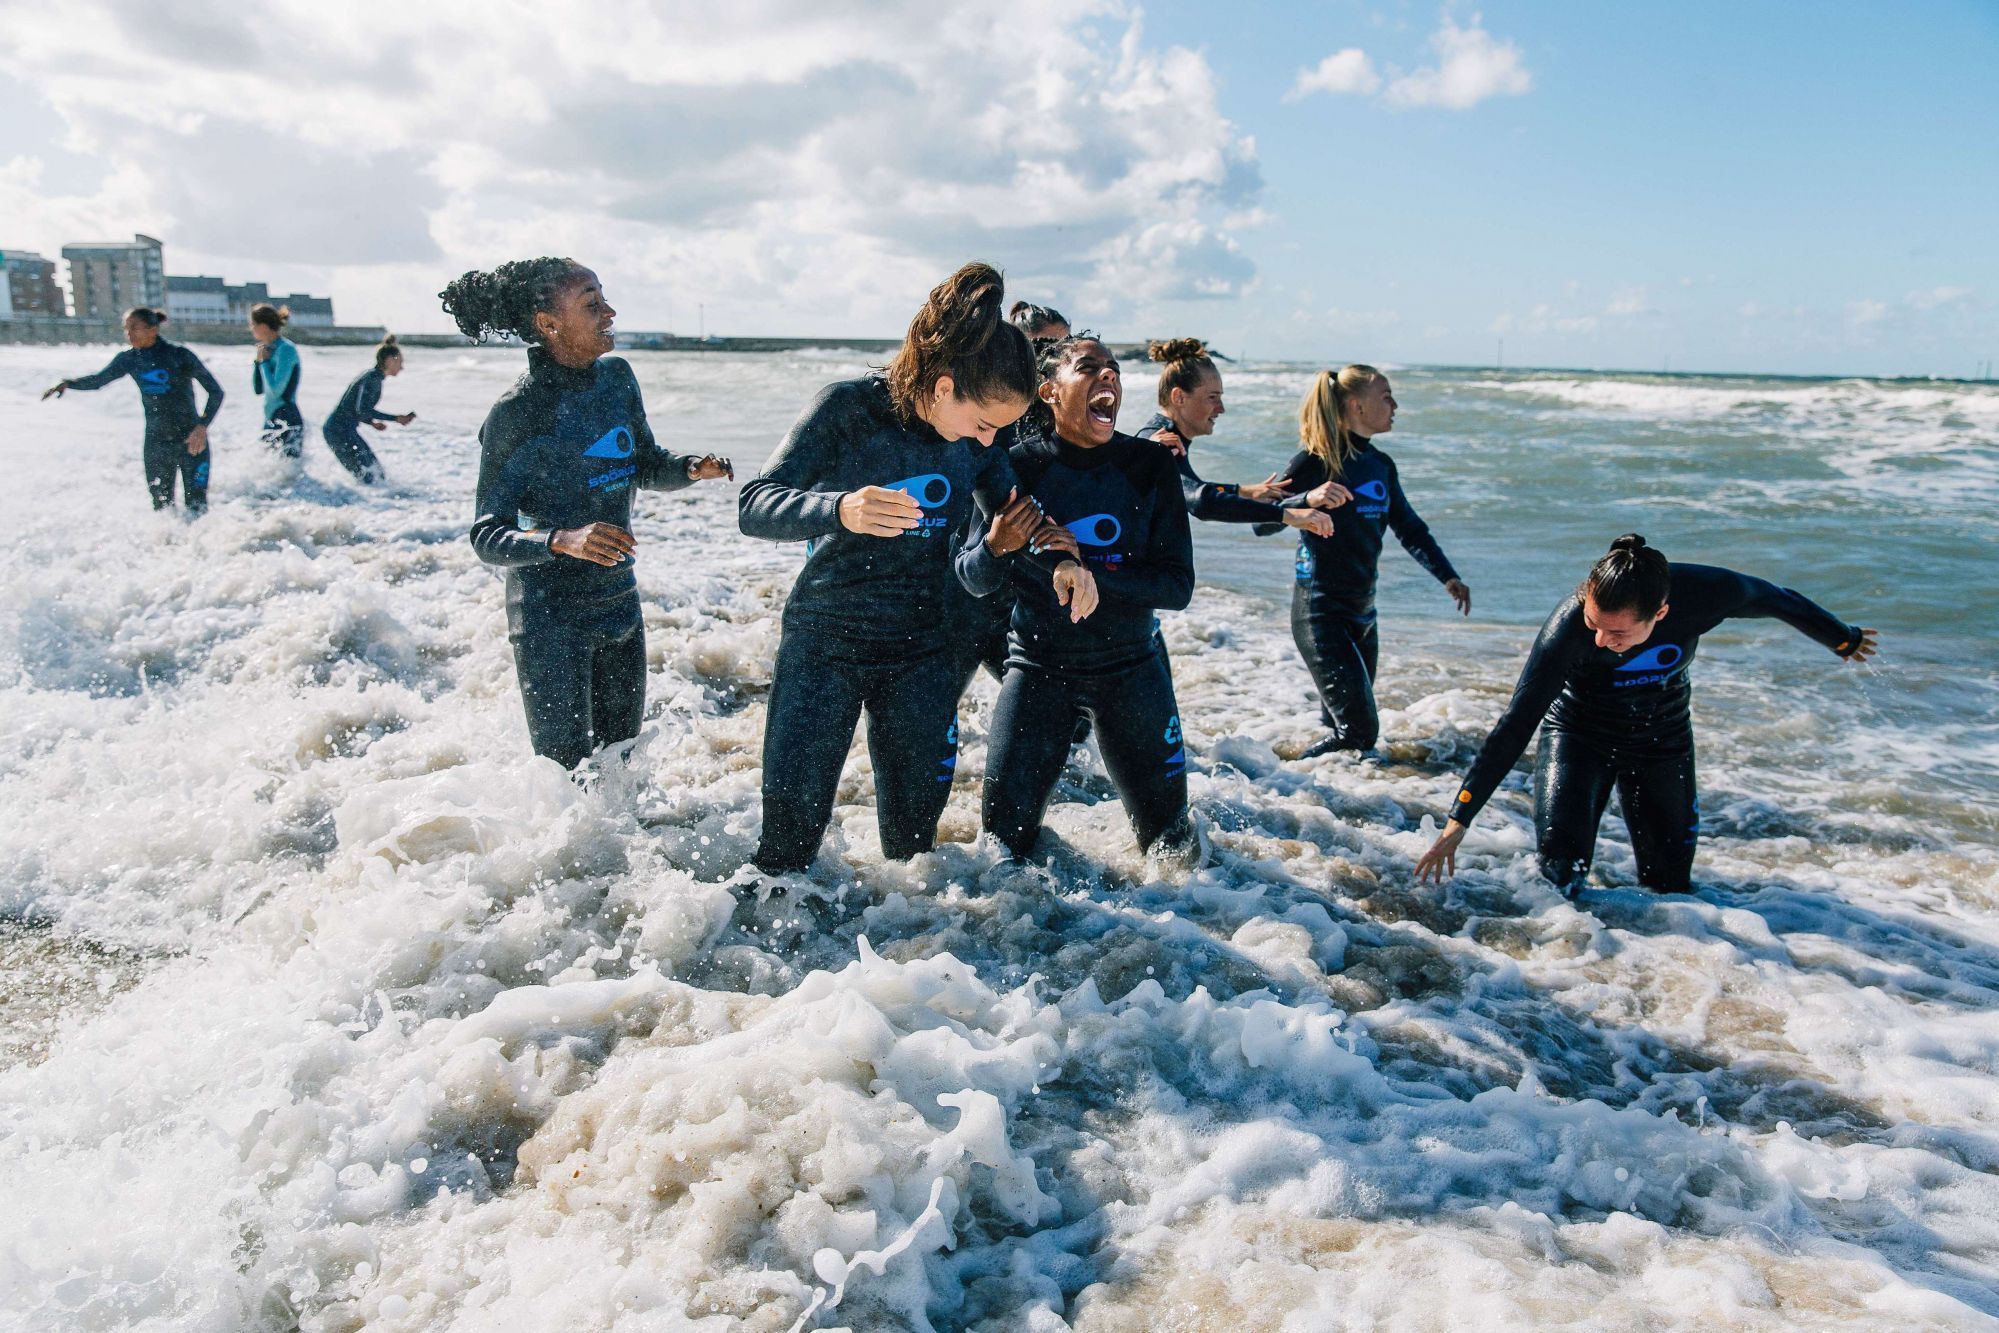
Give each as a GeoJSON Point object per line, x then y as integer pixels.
{"type": "Point", "coordinates": [312, 312]}
{"type": "Point", "coordinates": [197, 300]}
{"type": "Point", "coordinates": [28, 286]}
{"type": "Point", "coordinates": [107, 278]}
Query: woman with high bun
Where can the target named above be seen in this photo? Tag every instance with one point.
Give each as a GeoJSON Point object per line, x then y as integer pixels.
{"type": "Point", "coordinates": [561, 453]}
{"type": "Point", "coordinates": [274, 377]}
{"type": "Point", "coordinates": [1609, 672]}
{"type": "Point", "coordinates": [1190, 402]}
{"type": "Point", "coordinates": [360, 406]}
{"type": "Point", "coordinates": [876, 477]}
{"type": "Point", "coordinates": [176, 440]}
{"type": "Point", "coordinates": [1332, 600]}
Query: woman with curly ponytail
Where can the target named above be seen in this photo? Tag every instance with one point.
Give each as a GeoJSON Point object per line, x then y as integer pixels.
{"type": "Point", "coordinates": [559, 456]}
{"type": "Point", "coordinates": [875, 477]}
{"type": "Point", "coordinates": [1609, 672]}
{"type": "Point", "coordinates": [1332, 601]}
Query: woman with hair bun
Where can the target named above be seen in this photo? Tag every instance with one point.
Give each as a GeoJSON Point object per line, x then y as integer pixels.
{"type": "Point", "coordinates": [1332, 601]}
{"type": "Point", "coordinates": [1041, 323]}
{"type": "Point", "coordinates": [876, 476]}
{"type": "Point", "coordinates": [560, 454]}
{"type": "Point", "coordinates": [1190, 402]}
{"type": "Point", "coordinates": [358, 406]}
{"type": "Point", "coordinates": [275, 374]}
{"type": "Point", "coordinates": [1609, 673]}
{"type": "Point", "coordinates": [176, 439]}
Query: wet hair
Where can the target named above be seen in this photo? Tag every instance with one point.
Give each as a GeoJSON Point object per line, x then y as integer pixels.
{"type": "Point", "coordinates": [1186, 365]}
{"type": "Point", "coordinates": [506, 300]}
{"type": "Point", "coordinates": [146, 315]}
{"type": "Point", "coordinates": [1322, 416]}
{"type": "Point", "coordinates": [1631, 576]}
{"type": "Point", "coordinates": [273, 317]}
{"type": "Point", "coordinates": [959, 333]}
{"type": "Point", "coordinates": [1050, 356]}
{"type": "Point", "coordinates": [1030, 319]}
{"type": "Point", "coordinates": [385, 349]}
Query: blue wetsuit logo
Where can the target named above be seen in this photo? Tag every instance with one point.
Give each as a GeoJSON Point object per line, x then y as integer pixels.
{"type": "Point", "coordinates": [154, 381]}
{"type": "Point", "coordinates": [1096, 530]}
{"type": "Point", "coordinates": [1371, 499]}
{"type": "Point", "coordinates": [613, 443]}
{"type": "Point", "coordinates": [931, 490]}
{"type": "Point", "coordinates": [1176, 762]}
{"type": "Point", "coordinates": [1304, 564]}
{"type": "Point", "coordinates": [947, 767]}
{"type": "Point", "coordinates": [1651, 666]}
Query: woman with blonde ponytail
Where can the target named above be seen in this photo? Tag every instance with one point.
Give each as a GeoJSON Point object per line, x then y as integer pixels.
{"type": "Point", "coordinates": [1332, 601]}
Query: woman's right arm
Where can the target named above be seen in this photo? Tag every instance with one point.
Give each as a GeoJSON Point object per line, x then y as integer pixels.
{"type": "Point", "coordinates": [119, 367]}
{"type": "Point", "coordinates": [780, 503]}
{"type": "Point", "coordinates": [497, 535]}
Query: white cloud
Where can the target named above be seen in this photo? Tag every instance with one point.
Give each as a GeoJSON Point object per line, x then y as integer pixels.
{"type": "Point", "coordinates": [798, 166]}
{"type": "Point", "coordinates": [1471, 67]}
{"type": "Point", "coordinates": [1862, 313]}
{"type": "Point", "coordinates": [1937, 297]}
{"type": "Point", "coordinates": [1348, 71]}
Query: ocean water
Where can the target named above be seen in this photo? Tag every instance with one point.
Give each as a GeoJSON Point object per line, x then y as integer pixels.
{"type": "Point", "coordinates": [329, 1008]}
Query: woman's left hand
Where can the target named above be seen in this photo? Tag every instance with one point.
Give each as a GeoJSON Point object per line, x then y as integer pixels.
{"type": "Point", "coordinates": [197, 440]}
{"type": "Point", "coordinates": [1172, 441]}
{"type": "Point", "coordinates": [1461, 594]}
{"type": "Point", "coordinates": [1868, 646]}
{"type": "Point", "coordinates": [710, 466]}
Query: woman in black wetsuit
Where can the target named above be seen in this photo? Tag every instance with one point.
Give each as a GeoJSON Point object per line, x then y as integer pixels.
{"type": "Point", "coordinates": [560, 454]}
{"type": "Point", "coordinates": [876, 476]}
{"type": "Point", "coordinates": [1082, 648]}
{"type": "Point", "coordinates": [176, 436]}
{"type": "Point", "coordinates": [1332, 601]}
{"type": "Point", "coordinates": [1609, 672]}
{"type": "Point", "coordinates": [360, 406]}
{"type": "Point", "coordinates": [1190, 402]}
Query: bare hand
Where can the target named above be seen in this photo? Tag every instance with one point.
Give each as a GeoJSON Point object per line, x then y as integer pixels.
{"type": "Point", "coordinates": [263, 351]}
{"type": "Point", "coordinates": [1268, 491]}
{"type": "Point", "coordinates": [1868, 646]}
{"type": "Point", "coordinates": [406, 418]}
{"type": "Point", "coordinates": [379, 425]}
{"type": "Point", "coordinates": [1461, 594]}
{"type": "Point", "coordinates": [1315, 521]}
{"type": "Point", "coordinates": [1328, 495]}
{"type": "Point", "coordinates": [55, 392]}
{"type": "Point", "coordinates": [1052, 538]}
{"type": "Point", "coordinates": [877, 511]}
{"type": "Point", "coordinates": [1441, 861]}
{"type": "Point", "coordinates": [197, 440]}
{"type": "Point", "coordinates": [599, 543]}
{"type": "Point", "coordinates": [1013, 526]}
{"type": "Point", "coordinates": [1076, 588]}
{"type": "Point", "coordinates": [1171, 439]}
{"type": "Point", "coordinates": [708, 467]}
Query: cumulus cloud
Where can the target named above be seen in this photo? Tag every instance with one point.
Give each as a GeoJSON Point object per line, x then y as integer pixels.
{"type": "Point", "coordinates": [1471, 66]}
{"type": "Point", "coordinates": [796, 165]}
{"type": "Point", "coordinates": [1348, 71]}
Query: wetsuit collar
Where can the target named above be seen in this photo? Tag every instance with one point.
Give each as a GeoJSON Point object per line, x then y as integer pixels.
{"type": "Point", "coordinates": [543, 366]}
{"type": "Point", "coordinates": [1075, 456]}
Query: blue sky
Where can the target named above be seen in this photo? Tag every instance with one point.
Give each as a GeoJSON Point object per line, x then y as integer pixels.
{"type": "Point", "coordinates": [1802, 189]}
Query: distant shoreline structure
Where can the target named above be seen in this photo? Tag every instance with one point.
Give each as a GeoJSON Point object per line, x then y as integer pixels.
{"type": "Point", "coordinates": [50, 331]}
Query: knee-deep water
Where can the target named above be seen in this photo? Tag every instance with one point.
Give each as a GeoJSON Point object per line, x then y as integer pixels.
{"type": "Point", "coordinates": [327, 1007]}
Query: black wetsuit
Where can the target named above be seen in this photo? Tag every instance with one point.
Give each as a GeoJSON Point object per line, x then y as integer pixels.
{"type": "Point", "coordinates": [166, 374]}
{"type": "Point", "coordinates": [979, 624]}
{"type": "Point", "coordinates": [1123, 502]}
{"type": "Point", "coordinates": [561, 449]}
{"type": "Point", "coordinates": [343, 428]}
{"type": "Point", "coordinates": [1212, 501]}
{"type": "Point", "coordinates": [1332, 600]}
{"type": "Point", "coordinates": [867, 626]}
{"type": "Point", "coordinates": [1624, 720]}
{"type": "Point", "coordinates": [284, 425]}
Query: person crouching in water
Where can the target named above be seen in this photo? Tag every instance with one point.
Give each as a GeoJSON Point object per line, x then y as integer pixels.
{"type": "Point", "coordinates": [360, 406]}
{"type": "Point", "coordinates": [560, 454]}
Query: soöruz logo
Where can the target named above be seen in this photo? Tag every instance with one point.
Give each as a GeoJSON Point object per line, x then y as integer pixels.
{"type": "Point", "coordinates": [1372, 490]}
{"type": "Point", "coordinates": [154, 381]}
{"type": "Point", "coordinates": [1651, 666]}
{"type": "Point", "coordinates": [931, 490]}
{"type": "Point", "coordinates": [613, 443]}
{"type": "Point", "coordinates": [1096, 530]}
